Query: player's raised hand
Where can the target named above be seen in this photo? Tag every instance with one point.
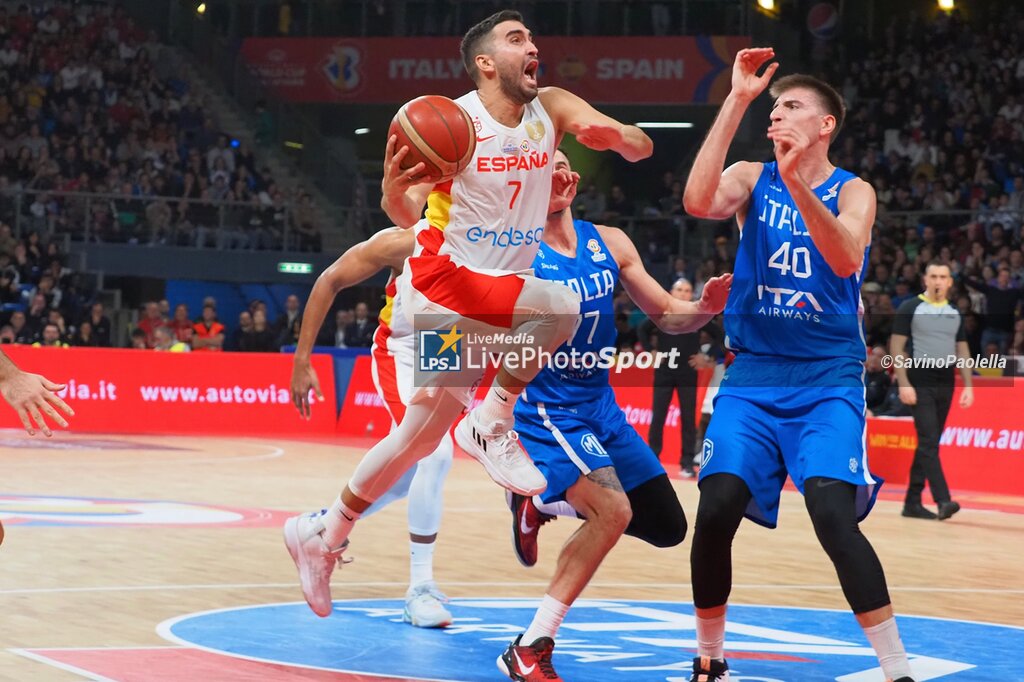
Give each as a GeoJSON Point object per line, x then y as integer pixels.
{"type": "Point", "coordinates": [715, 294]}
{"type": "Point", "coordinates": [600, 137]}
{"type": "Point", "coordinates": [563, 189]}
{"type": "Point", "coordinates": [790, 145]}
{"type": "Point", "coordinates": [304, 379]}
{"type": "Point", "coordinates": [32, 396]}
{"type": "Point", "coordinates": [396, 180]}
{"type": "Point", "coordinates": [746, 84]}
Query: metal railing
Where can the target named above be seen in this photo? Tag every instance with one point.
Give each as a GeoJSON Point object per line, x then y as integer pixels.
{"type": "Point", "coordinates": [280, 124]}
{"type": "Point", "coordinates": [164, 220]}
{"type": "Point", "coordinates": [174, 220]}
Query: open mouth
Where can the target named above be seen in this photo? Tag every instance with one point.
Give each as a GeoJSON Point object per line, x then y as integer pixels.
{"type": "Point", "coordinates": [530, 72]}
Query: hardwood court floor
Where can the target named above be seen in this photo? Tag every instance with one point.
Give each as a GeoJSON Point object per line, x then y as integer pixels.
{"type": "Point", "coordinates": [109, 585]}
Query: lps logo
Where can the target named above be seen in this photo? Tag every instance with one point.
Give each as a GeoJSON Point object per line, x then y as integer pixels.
{"type": "Point", "coordinates": [440, 350]}
{"type": "Point", "coordinates": [343, 68]}
{"type": "Point", "coordinates": [606, 640]}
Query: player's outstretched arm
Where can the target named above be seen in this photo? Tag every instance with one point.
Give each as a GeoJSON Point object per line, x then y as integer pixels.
{"type": "Point", "coordinates": [403, 194]}
{"type": "Point", "coordinates": [841, 239]}
{"type": "Point", "coordinates": [32, 396]}
{"type": "Point", "coordinates": [670, 314]}
{"type": "Point", "coordinates": [388, 248]}
{"type": "Point", "coordinates": [710, 192]}
{"type": "Point", "coordinates": [574, 115]}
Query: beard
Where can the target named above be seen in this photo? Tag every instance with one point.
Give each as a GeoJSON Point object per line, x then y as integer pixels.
{"type": "Point", "coordinates": [513, 87]}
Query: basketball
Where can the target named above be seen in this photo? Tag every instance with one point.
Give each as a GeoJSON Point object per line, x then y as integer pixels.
{"type": "Point", "coordinates": [438, 132]}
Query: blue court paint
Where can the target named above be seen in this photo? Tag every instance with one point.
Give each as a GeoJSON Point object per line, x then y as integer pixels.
{"type": "Point", "coordinates": [611, 641]}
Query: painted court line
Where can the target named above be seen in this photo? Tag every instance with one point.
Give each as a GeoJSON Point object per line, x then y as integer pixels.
{"type": "Point", "coordinates": [402, 584]}
{"type": "Point", "coordinates": [135, 461]}
{"type": "Point", "coordinates": [62, 666]}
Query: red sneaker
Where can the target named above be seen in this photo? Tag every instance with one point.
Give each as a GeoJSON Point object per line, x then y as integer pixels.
{"type": "Point", "coordinates": [529, 663]}
{"type": "Point", "coordinates": [526, 523]}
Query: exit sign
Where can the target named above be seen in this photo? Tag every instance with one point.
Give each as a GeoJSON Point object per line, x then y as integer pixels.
{"type": "Point", "coordinates": [295, 268]}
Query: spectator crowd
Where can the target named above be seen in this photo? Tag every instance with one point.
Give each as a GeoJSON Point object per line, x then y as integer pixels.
{"type": "Point", "coordinates": [88, 104]}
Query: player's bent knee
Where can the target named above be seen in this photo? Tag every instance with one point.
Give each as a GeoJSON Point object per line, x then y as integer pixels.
{"type": "Point", "coordinates": [670, 532]}
{"type": "Point", "coordinates": [616, 512]}
{"type": "Point", "coordinates": [658, 518]}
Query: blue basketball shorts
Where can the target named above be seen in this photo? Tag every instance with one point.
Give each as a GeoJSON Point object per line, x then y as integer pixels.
{"type": "Point", "coordinates": [775, 417]}
{"type": "Point", "coordinates": [569, 441]}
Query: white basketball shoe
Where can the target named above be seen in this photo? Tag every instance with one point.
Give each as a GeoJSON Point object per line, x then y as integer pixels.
{"type": "Point", "coordinates": [303, 536]}
{"type": "Point", "coordinates": [497, 447]}
{"type": "Point", "coordinates": [424, 607]}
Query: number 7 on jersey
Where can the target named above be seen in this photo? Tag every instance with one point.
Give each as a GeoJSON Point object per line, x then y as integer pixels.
{"type": "Point", "coordinates": [517, 186]}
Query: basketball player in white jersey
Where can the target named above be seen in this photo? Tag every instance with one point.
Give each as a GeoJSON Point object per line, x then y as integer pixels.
{"type": "Point", "coordinates": [482, 229]}
{"type": "Point", "coordinates": [392, 356]}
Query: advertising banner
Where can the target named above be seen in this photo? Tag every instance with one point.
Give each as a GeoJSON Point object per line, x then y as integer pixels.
{"type": "Point", "coordinates": [363, 413]}
{"type": "Point", "coordinates": [648, 70]}
{"type": "Point", "coordinates": [982, 447]}
{"type": "Point", "coordinates": [134, 391]}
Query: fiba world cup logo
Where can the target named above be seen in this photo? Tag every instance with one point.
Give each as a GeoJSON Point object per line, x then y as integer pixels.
{"type": "Point", "coordinates": [343, 68]}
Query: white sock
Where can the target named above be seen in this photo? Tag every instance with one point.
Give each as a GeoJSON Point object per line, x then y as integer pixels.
{"type": "Point", "coordinates": [560, 508]}
{"type": "Point", "coordinates": [885, 640]}
{"type": "Point", "coordinates": [338, 522]}
{"type": "Point", "coordinates": [711, 637]}
{"type": "Point", "coordinates": [497, 405]}
{"type": "Point", "coordinates": [421, 563]}
{"type": "Point", "coordinates": [546, 621]}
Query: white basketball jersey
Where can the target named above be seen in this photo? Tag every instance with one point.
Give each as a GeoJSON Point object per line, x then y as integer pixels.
{"type": "Point", "coordinates": [395, 330]}
{"type": "Point", "coordinates": [491, 216]}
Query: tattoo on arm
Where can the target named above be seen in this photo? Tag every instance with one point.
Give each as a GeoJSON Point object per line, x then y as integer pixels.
{"type": "Point", "coordinates": [606, 478]}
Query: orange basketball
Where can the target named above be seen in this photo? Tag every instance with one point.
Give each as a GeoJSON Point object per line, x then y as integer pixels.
{"type": "Point", "coordinates": [438, 132]}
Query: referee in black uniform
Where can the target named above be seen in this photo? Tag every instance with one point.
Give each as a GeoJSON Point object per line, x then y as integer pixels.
{"type": "Point", "coordinates": [682, 380]}
{"type": "Point", "coordinates": [926, 333]}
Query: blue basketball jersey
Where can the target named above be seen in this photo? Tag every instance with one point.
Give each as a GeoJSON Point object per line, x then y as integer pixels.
{"type": "Point", "coordinates": [785, 299]}
{"type": "Point", "coordinates": [574, 374]}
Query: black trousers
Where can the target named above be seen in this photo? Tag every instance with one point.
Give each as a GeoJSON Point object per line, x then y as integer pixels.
{"type": "Point", "coordinates": [684, 384]}
{"type": "Point", "coordinates": [934, 398]}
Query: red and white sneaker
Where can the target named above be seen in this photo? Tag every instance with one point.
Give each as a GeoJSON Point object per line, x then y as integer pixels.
{"type": "Point", "coordinates": [529, 663]}
{"type": "Point", "coordinates": [526, 523]}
